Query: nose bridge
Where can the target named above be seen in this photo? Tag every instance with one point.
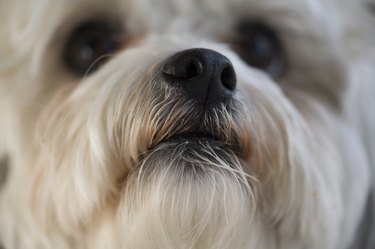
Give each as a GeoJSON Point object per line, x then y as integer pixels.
{"type": "Point", "coordinates": [205, 75]}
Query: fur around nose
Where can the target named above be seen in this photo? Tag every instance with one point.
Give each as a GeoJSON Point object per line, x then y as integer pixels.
{"type": "Point", "coordinates": [205, 75]}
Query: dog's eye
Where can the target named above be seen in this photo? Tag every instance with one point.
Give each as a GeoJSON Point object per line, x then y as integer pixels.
{"type": "Point", "coordinates": [90, 45]}
{"type": "Point", "coordinates": [259, 46]}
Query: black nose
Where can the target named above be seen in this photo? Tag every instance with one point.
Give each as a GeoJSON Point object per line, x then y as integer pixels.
{"type": "Point", "coordinates": [206, 76]}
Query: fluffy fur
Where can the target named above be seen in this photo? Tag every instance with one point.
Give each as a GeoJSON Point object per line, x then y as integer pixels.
{"type": "Point", "coordinates": [88, 165]}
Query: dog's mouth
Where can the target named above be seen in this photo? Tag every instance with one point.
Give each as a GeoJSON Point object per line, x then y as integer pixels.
{"type": "Point", "coordinates": [181, 122]}
{"type": "Point", "coordinates": [196, 138]}
{"type": "Point", "coordinates": [208, 128]}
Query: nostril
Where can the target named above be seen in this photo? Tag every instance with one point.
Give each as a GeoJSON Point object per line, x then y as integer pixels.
{"type": "Point", "coordinates": [228, 78]}
{"type": "Point", "coordinates": [193, 69]}
{"type": "Point", "coordinates": [183, 68]}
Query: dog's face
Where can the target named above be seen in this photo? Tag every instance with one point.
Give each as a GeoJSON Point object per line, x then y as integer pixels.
{"type": "Point", "coordinates": [177, 124]}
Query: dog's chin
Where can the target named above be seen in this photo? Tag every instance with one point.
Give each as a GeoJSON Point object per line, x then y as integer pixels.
{"type": "Point", "coordinates": [189, 190]}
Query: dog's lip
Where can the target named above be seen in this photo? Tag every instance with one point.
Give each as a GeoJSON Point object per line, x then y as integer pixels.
{"type": "Point", "coordinates": [194, 137]}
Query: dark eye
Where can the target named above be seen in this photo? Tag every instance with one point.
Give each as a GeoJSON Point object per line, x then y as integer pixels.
{"type": "Point", "coordinates": [90, 45]}
{"type": "Point", "coordinates": [259, 46]}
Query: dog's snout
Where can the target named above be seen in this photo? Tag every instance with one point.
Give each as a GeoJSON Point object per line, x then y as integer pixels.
{"type": "Point", "coordinates": [205, 75]}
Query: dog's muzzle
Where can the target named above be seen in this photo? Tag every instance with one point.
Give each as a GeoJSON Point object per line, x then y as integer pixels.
{"type": "Point", "coordinates": [198, 101]}
{"type": "Point", "coordinates": [204, 75]}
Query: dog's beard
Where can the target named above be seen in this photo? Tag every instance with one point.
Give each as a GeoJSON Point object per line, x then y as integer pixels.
{"type": "Point", "coordinates": [192, 192]}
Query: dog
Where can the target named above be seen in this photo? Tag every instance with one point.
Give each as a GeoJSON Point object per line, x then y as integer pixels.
{"type": "Point", "coordinates": [187, 124]}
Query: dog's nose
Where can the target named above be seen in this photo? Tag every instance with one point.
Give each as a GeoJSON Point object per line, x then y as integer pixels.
{"type": "Point", "coordinates": [206, 76]}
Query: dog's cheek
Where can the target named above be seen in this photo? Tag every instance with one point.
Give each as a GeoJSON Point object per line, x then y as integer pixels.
{"type": "Point", "coordinates": [295, 159]}
{"type": "Point", "coordinates": [79, 162]}
{"type": "Point", "coordinates": [68, 183]}
{"type": "Point", "coordinates": [80, 152]}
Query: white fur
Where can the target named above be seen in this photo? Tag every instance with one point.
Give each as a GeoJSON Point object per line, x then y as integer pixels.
{"type": "Point", "coordinates": [87, 169]}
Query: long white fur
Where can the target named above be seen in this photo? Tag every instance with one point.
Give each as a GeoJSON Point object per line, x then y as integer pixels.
{"type": "Point", "coordinates": [87, 169]}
